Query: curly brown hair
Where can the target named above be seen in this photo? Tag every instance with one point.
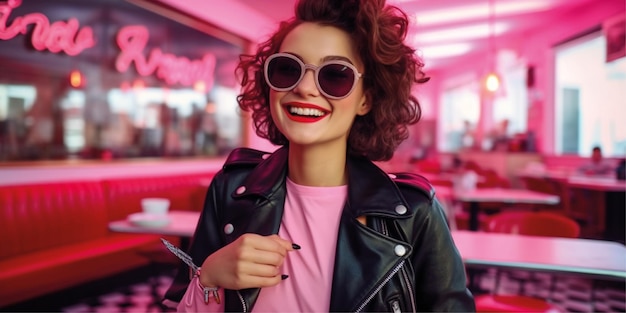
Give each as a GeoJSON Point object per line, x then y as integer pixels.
{"type": "Point", "coordinates": [391, 69]}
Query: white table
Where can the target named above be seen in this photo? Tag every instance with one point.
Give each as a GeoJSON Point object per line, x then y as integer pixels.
{"type": "Point", "coordinates": [597, 183]}
{"type": "Point", "coordinates": [499, 195]}
{"type": "Point", "coordinates": [598, 259]}
{"type": "Point", "coordinates": [182, 224]}
{"type": "Point", "coordinates": [601, 183]}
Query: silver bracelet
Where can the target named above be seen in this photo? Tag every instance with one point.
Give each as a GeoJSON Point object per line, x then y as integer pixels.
{"type": "Point", "coordinates": [208, 290]}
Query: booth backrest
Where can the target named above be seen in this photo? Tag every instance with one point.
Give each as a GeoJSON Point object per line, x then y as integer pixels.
{"type": "Point", "coordinates": [185, 192]}
{"type": "Point", "coordinates": [42, 216]}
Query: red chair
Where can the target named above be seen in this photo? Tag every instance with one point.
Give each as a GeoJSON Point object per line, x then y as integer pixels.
{"type": "Point", "coordinates": [553, 187]}
{"type": "Point", "coordinates": [533, 224]}
{"type": "Point", "coordinates": [508, 303]}
{"type": "Point", "coordinates": [529, 223]}
{"type": "Point", "coordinates": [429, 166]}
{"type": "Point", "coordinates": [491, 179]}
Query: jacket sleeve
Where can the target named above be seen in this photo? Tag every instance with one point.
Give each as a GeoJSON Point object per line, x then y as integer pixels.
{"type": "Point", "coordinates": [440, 272]}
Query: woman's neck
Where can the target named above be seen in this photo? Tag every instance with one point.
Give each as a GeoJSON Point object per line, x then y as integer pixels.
{"type": "Point", "coordinates": [317, 166]}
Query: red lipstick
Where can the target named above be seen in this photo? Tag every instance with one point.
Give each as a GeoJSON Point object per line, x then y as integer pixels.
{"type": "Point", "coordinates": [304, 118]}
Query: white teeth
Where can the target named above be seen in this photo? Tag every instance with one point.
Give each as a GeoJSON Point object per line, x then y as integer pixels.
{"type": "Point", "coordinates": [305, 111]}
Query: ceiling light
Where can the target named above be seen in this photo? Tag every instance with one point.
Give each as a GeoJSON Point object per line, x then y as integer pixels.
{"type": "Point", "coordinates": [480, 11]}
{"type": "Point", "coordinates": [492, 82]}
{"type": "Point", "coordinates": [462, 33]}
{"type": "Point", "coordinates": [444, 51]}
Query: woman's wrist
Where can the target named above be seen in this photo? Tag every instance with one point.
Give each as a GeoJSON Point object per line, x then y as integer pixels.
{"type": "Point", "coordinates": [204, 279]}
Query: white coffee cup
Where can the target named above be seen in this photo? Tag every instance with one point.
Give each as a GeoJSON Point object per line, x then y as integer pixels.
{"type": "Point", "coordinates": [157, 206]}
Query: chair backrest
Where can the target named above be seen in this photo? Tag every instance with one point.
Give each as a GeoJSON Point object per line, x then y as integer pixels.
{"type": "Point", "coordinates": [491, 179]}
{"type": "Point", "coordinates": [540, 184]}
{"type": "Point", "coordinates": [533, 224]}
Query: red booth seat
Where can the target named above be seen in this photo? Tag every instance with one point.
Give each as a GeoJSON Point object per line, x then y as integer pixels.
{"type": "Point", "coordinates": [55, 235]}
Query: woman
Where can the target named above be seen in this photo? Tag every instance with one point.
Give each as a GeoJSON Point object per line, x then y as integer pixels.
{"type": "Point", "coordinates": [316, 226]}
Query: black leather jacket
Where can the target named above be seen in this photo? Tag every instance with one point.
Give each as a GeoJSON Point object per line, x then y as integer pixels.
{"type": "Point", "coordinates": [404, 259]}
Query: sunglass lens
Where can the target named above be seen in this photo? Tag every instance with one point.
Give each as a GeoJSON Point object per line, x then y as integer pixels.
{"type": "Point", "coordinates": [283, 72]}
{"type": "Point", "coordinates": [336, 79]}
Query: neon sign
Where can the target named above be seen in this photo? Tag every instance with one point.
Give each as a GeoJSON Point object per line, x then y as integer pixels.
{"type": "Point", "coordinates": [171, 68]}
{"type": "Point", "coordinates": [68, 37]}
{"type": "Point", "coordinates": [55, 37]}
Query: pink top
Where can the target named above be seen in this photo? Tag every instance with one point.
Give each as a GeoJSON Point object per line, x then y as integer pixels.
{"type": "Point", "coordinates": [311, 220]}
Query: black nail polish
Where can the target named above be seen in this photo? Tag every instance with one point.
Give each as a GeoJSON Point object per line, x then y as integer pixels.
{"type": "Point", "coordinates": [295, 246]}
{"type": "Point", "coordinates": [283, 276]}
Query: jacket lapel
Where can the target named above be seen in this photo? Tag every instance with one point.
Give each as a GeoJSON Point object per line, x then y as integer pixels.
{"type": "Point", "coordinates": [257, 207]}
{"type": "Point", "coordinates": [370, 195]}
{"type": "Point", "coordinates": [256, 204]}
{"type": "Point", "coordinates": [374, 259]}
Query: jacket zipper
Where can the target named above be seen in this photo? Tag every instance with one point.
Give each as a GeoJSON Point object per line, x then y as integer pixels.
{"type": "Point", "coordinates": [379, 287]}
{"type": "Point", "coordinates": [407, 282]}
{"type": "Point", "coordinates": [244, 307]}
{"type": "Point", "coordinates": [384, 231]}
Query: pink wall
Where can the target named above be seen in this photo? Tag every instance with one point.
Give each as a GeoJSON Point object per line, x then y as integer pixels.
{"type": "Point", "coordinates": [538, 52]}
{"type": "Point", "coordinates": [232, 16]}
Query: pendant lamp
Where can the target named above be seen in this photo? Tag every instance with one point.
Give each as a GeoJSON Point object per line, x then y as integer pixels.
{"type": "Point", "coordinates": [492, 80]}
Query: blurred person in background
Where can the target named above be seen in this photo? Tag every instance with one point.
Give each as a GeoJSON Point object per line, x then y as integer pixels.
{"type": "Point", "coordinates": [597, 165]}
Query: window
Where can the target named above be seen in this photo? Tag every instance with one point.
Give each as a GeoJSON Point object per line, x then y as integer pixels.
{"type": "Point", "coordinates": [590, 98]}
{"type": "Point", "coordinates": [458, 116]}
{"type": "Point", "coordinates": [513, 106]}
{"type": "Point", "coordinates": [461, 107]}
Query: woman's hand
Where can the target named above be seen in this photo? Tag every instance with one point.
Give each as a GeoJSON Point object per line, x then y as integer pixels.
{"type": "Point", "coordinates": [251, 261]}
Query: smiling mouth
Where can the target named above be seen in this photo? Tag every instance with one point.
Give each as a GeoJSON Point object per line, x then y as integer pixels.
{"type": "Point", "coordinates": [305, 112]}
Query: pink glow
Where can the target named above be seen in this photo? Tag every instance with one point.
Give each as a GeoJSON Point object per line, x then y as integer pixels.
{"type": "Point", "coordinates": [56, 37]}
{"type": "Point", "coordinates": [445, 50]}
{"type": "Point", "coordinates": [460, 34]}
{"type": "Point", "coordinates": [479, 11]}
{"type": "Point", "coordinates": [170, 68]}
{"type": "Point", "coordinates": [76, 79]}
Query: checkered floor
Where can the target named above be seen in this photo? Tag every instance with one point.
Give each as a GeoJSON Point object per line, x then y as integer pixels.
{"type": "Point", "coordinates": [570, 293]}
{"type": "Point", "coordinates": [142, 296]}
{"type": "Point", "coordinates": [141, 291]}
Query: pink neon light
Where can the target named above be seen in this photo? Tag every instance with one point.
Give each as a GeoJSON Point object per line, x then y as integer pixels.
{"type": "Point", "coordinates": [171, 68]}
{"type": "Point", "coordinates": [56, 37]}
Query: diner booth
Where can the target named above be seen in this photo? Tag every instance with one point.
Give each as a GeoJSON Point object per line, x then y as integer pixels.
{"type": "Point", "coordinates": [106, 105]}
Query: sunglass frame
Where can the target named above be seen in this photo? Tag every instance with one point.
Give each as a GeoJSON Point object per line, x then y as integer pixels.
{"type": "Point", "coordinates": [316, 70]}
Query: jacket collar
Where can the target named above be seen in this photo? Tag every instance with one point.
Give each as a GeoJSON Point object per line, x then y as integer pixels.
{"type": "Point", "coordinates": [370, 190]}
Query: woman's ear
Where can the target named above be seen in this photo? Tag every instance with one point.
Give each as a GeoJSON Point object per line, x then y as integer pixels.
{"type": "Point", "coordinates": [364, 107]}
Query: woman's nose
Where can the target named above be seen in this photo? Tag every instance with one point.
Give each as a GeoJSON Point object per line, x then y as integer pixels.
{"type": "Point", "coordinates": [307, 86]}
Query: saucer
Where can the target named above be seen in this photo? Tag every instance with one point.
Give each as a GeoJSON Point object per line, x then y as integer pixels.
{"type": "Point", "coordinates": [148, 220]}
